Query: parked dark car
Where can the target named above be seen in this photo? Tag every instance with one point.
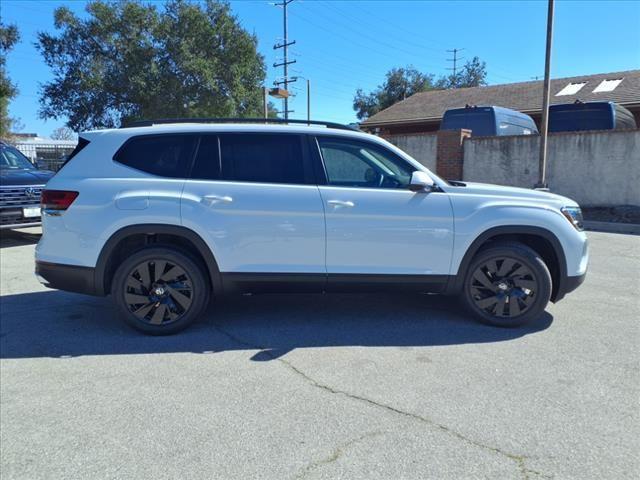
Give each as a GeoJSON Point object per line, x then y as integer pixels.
{"type": "Point", "coordinates": [488, 121]}
{"type": "Point", "coordinates": [579, 116]}
{"type": "Point", "coordinates": [21, 183]}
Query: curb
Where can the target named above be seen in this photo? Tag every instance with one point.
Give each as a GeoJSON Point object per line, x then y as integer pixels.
{"type": "Point", "coordinates": [610, 227]}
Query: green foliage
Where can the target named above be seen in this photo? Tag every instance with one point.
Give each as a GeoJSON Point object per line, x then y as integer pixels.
{"type": "Point", "coordinates": [400, 83]}
{"type": "Point", "coordinates": [9, 36]}
{"type": "Point", "coordinates": [130, 60]}
{"type": "Point", "coordinates": [472, 74]}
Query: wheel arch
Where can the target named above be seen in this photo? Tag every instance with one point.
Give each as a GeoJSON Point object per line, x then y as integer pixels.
{"type": "Point", "coordinates": [149, 234]}
{"type": "Point", "coordinates": [543, 241]}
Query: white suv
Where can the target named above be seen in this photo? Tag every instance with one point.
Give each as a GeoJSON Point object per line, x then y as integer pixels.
{"type": "Point", "coordinates": [162, 216]}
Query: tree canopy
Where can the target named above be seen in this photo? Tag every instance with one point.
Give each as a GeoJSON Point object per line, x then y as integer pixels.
{"type": "Point", "coordinates": [472, 74]}
{"type": "Point", "coordinates": [130, 60]}
{"type": "Point", "coordinates": [9, 36]}
{"type": "Point", "coordinates": [401, 83]}
{"type": "Point", "coordinates": [63, 133]}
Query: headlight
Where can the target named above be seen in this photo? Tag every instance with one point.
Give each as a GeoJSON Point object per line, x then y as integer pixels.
{"type": "Point", "coordinates": [574, 215]}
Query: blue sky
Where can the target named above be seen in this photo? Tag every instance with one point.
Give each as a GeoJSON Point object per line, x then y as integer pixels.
{"type": "Point", "coordinates": [343, 45]}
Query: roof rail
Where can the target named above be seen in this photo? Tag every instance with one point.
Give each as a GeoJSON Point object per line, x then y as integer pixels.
{"type": "Point", "coordinates": [277, 121]}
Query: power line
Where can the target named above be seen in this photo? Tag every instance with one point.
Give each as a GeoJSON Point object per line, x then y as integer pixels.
{"type": "Point", "coordinates": [395, 27]}
{"type": "Point", "coordinates": [354, 25]}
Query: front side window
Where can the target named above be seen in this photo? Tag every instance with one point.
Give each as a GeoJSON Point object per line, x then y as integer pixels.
{"type": "Point", "coordinates": [351, 163]}
{"type": "Point", "coordinates": [162, 155]}
{"type": "Point", "coordinates": [265, 158]}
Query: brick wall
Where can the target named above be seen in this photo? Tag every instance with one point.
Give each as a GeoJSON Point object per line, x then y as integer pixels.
{"type": "Point", "coordinates": [450, 153]}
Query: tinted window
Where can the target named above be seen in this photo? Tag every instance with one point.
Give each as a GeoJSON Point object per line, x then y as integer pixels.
{"type": "Point", "coordinates": [578, 117]}
{"type": "Point", "coordinates": [479, 121]}
{"type": "Point", "coordinates": [262, 158]}
{"type": "Point", "coordinates": [360, 164]}
{"type": "Point", "coordinates": [163, 155]}
{"type": "Point", "coordinates": [207, 163]}
{"type": "Point", "coordinates": [14, 159]}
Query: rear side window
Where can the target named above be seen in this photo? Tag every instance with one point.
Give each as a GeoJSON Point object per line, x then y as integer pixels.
{"type": "Point", "coordinates": [262, 158]}
{"type": "Point", "coordinates": [162, 155]}
{"type": "Point", "coordinates": [207, 163]}
{"type": "Point", "coordinates": [82, 142]}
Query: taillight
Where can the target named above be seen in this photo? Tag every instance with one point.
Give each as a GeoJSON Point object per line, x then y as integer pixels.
{"type": "Point", "coordinates": [57, 199]}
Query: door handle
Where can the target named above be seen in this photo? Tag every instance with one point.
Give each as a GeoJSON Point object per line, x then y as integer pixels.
{"type": "Point", "coordinates": [215, 199]}
{"type": "Point", "coordinates": [340, 203]}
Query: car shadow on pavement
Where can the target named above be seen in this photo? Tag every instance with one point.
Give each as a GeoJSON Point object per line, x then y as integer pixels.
{"type": "Point", "coordinates": [18, 238]}
{"type": "Point", "coordinates": [61, 324]}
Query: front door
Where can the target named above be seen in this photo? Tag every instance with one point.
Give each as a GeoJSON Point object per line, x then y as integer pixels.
{"type": "Point", "coordinates": [376, 226]}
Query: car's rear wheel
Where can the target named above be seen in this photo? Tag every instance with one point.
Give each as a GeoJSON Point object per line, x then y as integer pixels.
{"type": "Point", "coordinates": [160, 290]}
{"type": "Point", "coordinates": [507, 285]}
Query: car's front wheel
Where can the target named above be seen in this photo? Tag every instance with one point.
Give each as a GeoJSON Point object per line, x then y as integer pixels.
{"type": "Point", "coordinates": [160, 290]}
{"type": "Point", "coordinates": [507, 285]}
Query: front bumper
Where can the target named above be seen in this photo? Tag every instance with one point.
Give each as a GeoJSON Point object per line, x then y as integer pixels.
{"type": "Point", "coordinates": [568, 285]}
{"type": "Point", "coordinates": [14, 218]}
{"type": "Point", "coordinates": [72, 278]}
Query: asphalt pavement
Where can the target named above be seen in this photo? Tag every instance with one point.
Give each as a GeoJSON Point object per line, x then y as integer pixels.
{"type": "Point", "coordinates": [322, 386]}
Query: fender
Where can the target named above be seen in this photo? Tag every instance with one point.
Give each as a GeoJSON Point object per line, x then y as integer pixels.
{"type": "Point", "coordinates": [457, 281]}
{"type": "Point", "coordinates": [151, 229]}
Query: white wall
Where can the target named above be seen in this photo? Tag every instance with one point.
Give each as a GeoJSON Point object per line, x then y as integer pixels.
{"type": "Point", "coordinates": [422, 147]}
{"type": "Point", "coordinates": [593, 168]}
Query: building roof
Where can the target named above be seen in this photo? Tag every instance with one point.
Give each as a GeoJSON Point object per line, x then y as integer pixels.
{"type": "Point", "coordinates": [525, 97]}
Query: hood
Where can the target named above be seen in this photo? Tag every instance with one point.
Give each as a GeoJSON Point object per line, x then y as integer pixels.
{"type": "Point", "coordinates": [499, 191]}
{"type": "Point", "coordinates": [23, 176]}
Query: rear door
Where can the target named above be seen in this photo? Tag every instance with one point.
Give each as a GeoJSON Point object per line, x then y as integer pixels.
{"type": "Point", "coordinates": [253, 198]}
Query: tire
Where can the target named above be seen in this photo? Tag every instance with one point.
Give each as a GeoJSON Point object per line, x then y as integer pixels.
{"type": "Point", "coordinates": [507, 285]}
{"type": "Point", "coordinates": [160, 303]}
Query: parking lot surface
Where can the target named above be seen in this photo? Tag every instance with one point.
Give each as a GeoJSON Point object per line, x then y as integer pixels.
{"type": "Point", "coordinates": [313, 386]}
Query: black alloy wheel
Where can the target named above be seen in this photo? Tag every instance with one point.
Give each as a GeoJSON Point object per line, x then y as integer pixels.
{"type": "Point", "coordinates": [507, 285]}
{"type": "Point", "coordinates": [503, 287]}
{"type": "Point", "coordinates": [160, 290]}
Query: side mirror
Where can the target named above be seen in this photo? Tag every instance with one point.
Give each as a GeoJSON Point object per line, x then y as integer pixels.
{"type": "Point", "coordinates": [420, 182]}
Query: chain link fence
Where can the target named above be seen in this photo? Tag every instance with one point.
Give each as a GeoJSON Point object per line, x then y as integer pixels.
{"type": "Point", "coordinates": [47, 156]}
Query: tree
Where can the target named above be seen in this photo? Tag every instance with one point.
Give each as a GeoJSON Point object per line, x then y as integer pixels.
{"type": "Point", "coordinates": [400, 83]}
{"type": "Point", "coordinates": [9, 36]}
{"type": "Point", "coordinates": [472, 74]}
{"type": "Point", "coordinates": [128, 60]}
{"type": "Point", "coordinates": [63, 133]}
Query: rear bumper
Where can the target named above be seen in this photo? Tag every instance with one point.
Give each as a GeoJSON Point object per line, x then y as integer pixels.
{"type": "Point", "coordinates": [72, 278]}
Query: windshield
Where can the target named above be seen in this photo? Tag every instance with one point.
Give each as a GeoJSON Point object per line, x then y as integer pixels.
{"type": "Point", "coordinates": [12, 158]}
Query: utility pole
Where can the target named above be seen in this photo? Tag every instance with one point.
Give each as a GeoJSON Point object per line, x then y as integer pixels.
{"type": "Point", "coordinates": [308, 100]}
{"type": "Point", "coordinates": [285, 46]}
{"type": "Point", "coordinates": [265, 101]}
{"type": "Point", "coordinates": [455, 60]}
{"type": "Point", "coordinates": [544, 123]}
